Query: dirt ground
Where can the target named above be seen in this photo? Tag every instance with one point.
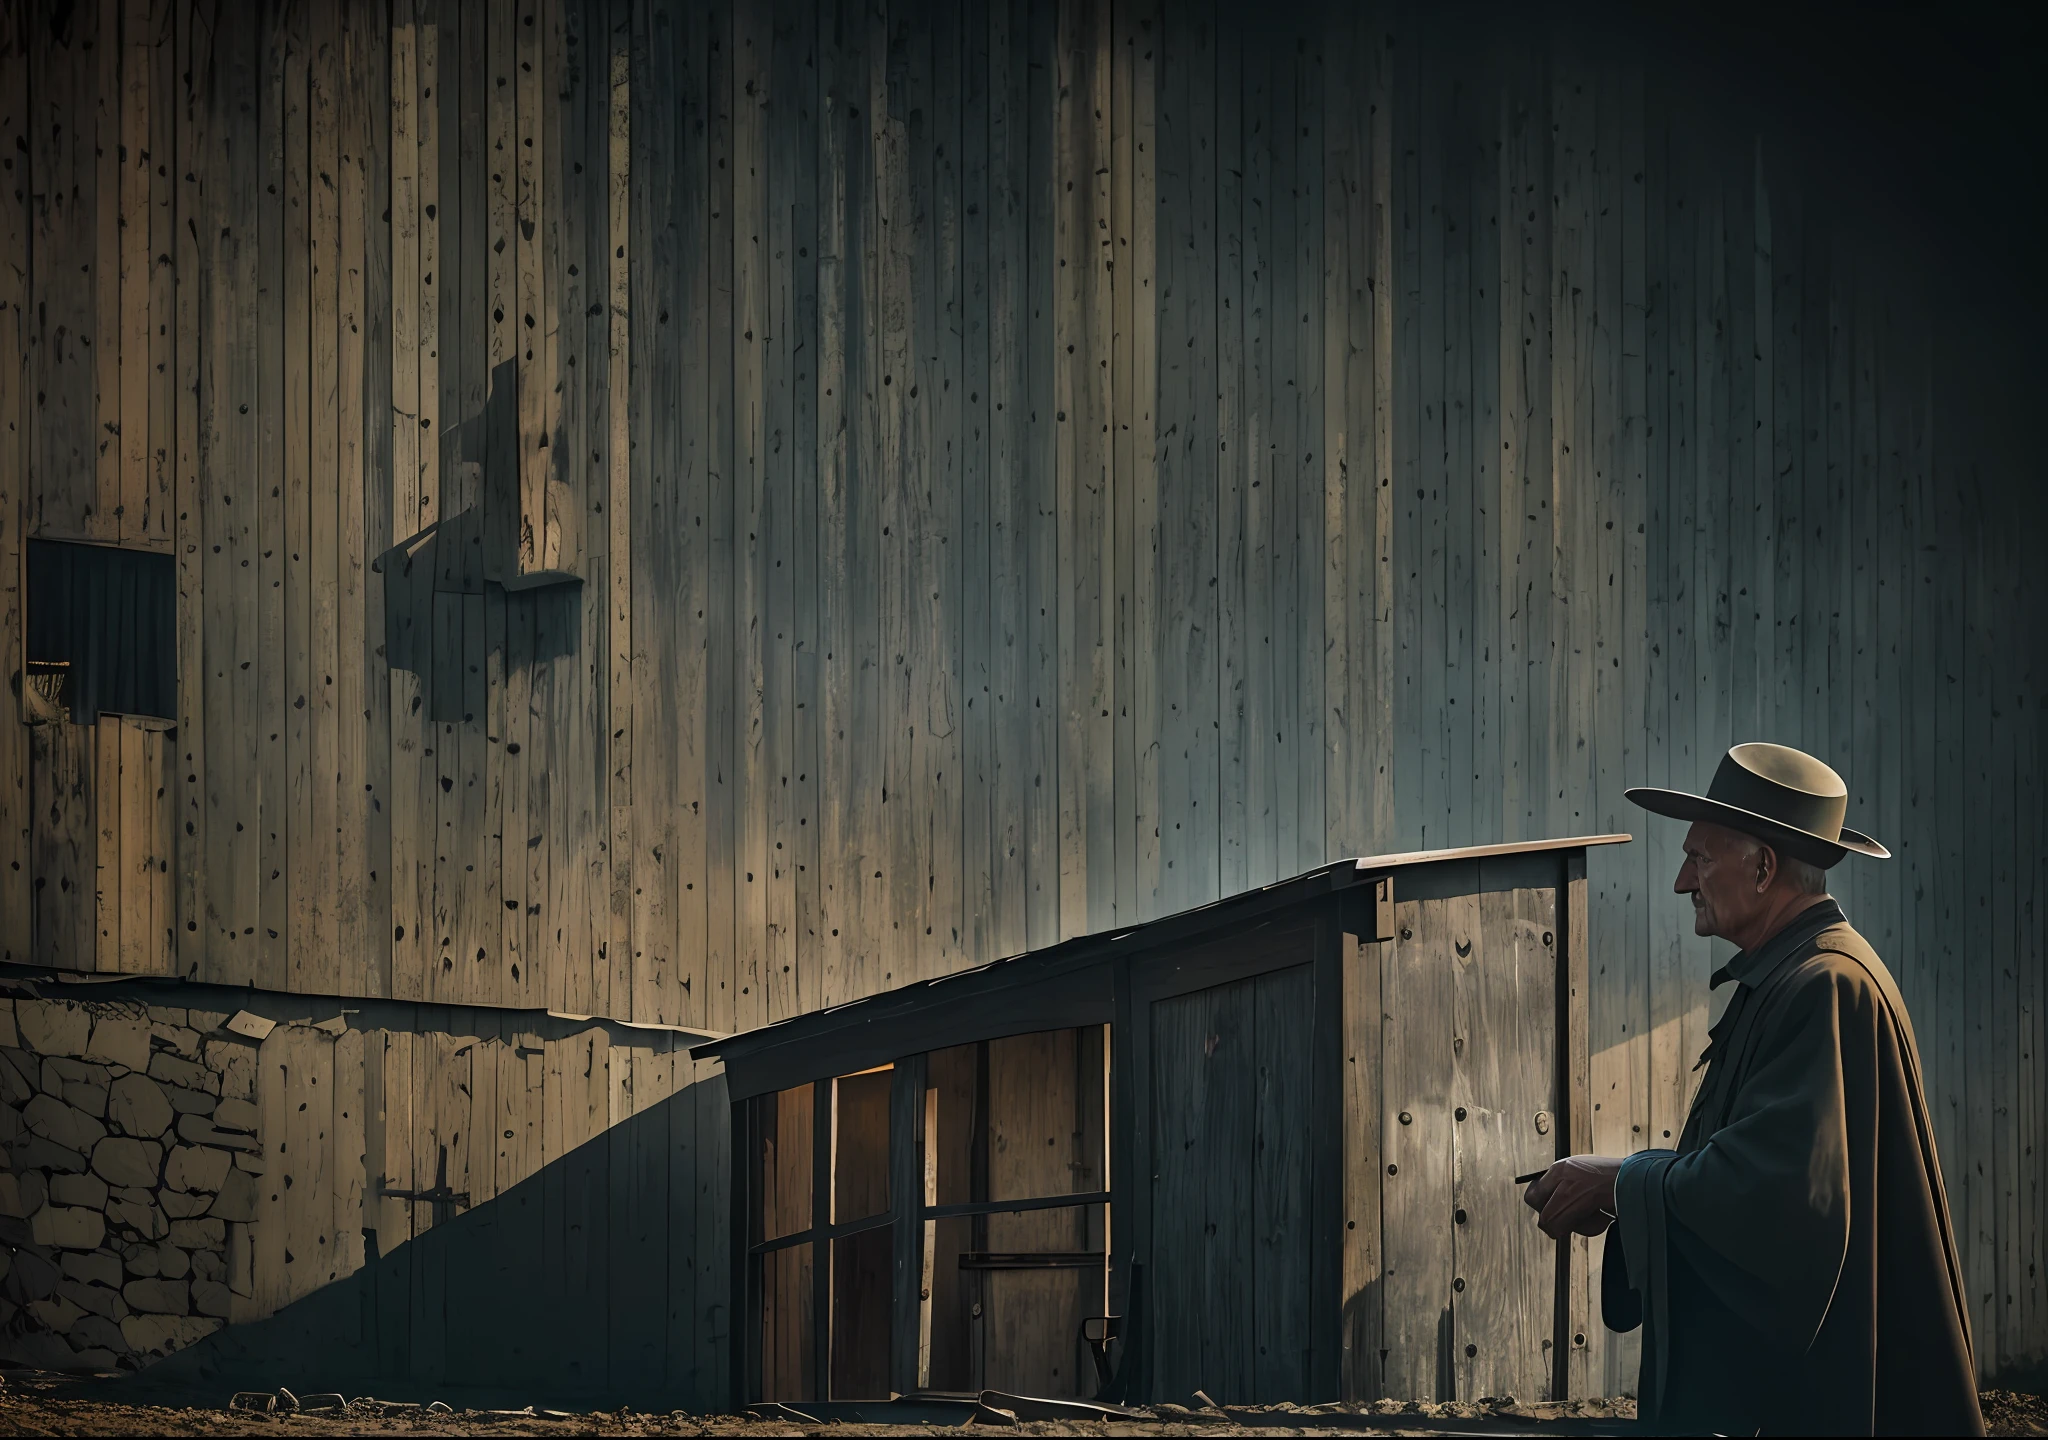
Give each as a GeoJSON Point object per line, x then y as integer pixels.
{"type": "Point", "coordinates": [39, 1403]}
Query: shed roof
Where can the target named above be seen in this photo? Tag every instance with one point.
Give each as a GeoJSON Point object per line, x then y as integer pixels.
{"type": "Point", "coordinates": [758, 1059]}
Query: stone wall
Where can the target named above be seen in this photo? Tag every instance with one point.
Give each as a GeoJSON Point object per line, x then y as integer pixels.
{"type": "Point", "coordinates": [131, 1183]}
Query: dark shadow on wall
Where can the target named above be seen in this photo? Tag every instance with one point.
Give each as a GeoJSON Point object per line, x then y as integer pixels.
{"type": "Point", "coordinates": [604, 1278]}
{"type": "Point", "coordinates": [446, 587]}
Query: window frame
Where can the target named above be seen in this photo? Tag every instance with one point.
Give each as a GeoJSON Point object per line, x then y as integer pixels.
{"type": "Point", "coordinates": [908, 1213]}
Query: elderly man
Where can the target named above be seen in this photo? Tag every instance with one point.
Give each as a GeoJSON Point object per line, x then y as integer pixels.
{"type": "Point", "coordinates": [1791, 1262]}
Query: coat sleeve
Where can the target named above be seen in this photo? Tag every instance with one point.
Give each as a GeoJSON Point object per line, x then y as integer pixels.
{"type": "Point", "coordinates": [1761, 1211]}
{"type": "Point", "coordinates": [1621, 1299]}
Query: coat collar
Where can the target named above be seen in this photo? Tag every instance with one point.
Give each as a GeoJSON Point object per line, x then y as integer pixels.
{"type": "Point", "coordinates": [1750, 967]}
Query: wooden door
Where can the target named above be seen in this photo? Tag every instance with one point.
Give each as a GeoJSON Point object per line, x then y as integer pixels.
{"type": "Point", "coordinates": [1469, 1285]}
{"type": "Point", "coordinates": [1233, 1181]}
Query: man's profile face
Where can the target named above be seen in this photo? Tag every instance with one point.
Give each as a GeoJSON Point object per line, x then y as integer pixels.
{"type": "Point", "coordinates": [1719, 874]}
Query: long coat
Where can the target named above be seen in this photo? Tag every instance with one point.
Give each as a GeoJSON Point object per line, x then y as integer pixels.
{"type": "Point", "coordinates": [1792, 1260]}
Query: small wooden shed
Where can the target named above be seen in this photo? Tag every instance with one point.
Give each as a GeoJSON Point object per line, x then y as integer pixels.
{"type": "Point", "coordinates": [1265, 1148]}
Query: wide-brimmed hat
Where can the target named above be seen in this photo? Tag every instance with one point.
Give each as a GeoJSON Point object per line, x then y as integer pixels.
{"type": "Point", "coordinates": [1783, 796]}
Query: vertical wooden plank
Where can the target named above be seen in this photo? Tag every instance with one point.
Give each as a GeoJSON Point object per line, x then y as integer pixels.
{"type": "Point", "coordinates": [229, 461]}
{"type": "Point", "coordinates": [305, 1156]}
{"type": "Point", "coordinates": [837, 881]}
{"type": "Point", "coordinates": [1303, 764]}
{"type": "Point", "coordinates": [441, 90]}
{"type": "Point", "coordinates": [1342, 169]}
{"type": "Point", "coordinates": [532, 321]}
{"type": "Point", "coordinates": [520, 736]}
{"type": "Point", "coordinates": [1460, 157]}
{"type": "Point", "coordinates": [1141, 386]}
{"type": "Point", "coordinates": [1282, 1250]}
{"type": "Point", "coordinates": [1363, 1144]}
{"type": "Point", "coordinates": [16, 879]}
{"type": "Point", "coordinates": [521, 1099]}
{"type": "Point", "coordinates": [481, 330]}
{"type": "Point", "coordinates": [347, 780]}
{"type": "Point", "coordinates": [161, 759]}
{"type": "Point", "coordinates": [1504, 1060]}
{"type": "Point", "coordinates": [1431, 546]}
{"type": "Point", "coordinates": [428, 1053]}
{"type": "Point", "coordinates": [1419, 1154]}
{"type": "Point", "coordinates": [57, 431]}
{"type": "Point", "coordinates": [403, 690]}
{"type": "Point", "coordinates": [1480, 118]}
{"type": "Point", "coordinates": [135, 784]}
{"type": "Point", "coordinates": [1009, 695]}
{"type": "Point", "coordinates": [314, 957]}
{"type": "Point", "coordinates": [109, 874]}
{"type": "Point", "coordinates": [63, 849]}
{"type": "Point", "coordinates": [1380, 752]}
{"type": "Point", "coordinates": [586, 1227]}
{"type": "Point", "coordinates": [751, 637]}
{"type": "Point", "coordinates": [893, 451]}
{"type": "Point", "coordinates": [700, 465]}
{"type": "Point", "coordinates": [649, 91]}
{"type": "Point", "coordinates": [159, 51]}
{"type": "Point", "coordinates": [109, 327]}
{"type": "Point", "coordinates": [129, 48]}
{"type": "Point", "coordinates": [1281, 444]}
{"type": "Point", "coordinates": [346, 1145]}
{"type": "Point", "coordinates": [276, 1062]}
{"type": "Point", "coordinates": [799, 82]}
{"type": "Point", "coordinates": [1516, 100]}
{"type": "Point", "coordinates": [722, 1009]}
{"type": "Point", "coordinates": [785, 118]}
{"type": "Point", "coordinates": [466, 1248]}
{"type": "Point", "coordinates": [713, 1265]}
{"type": "Point", "coordinates": [1035, 38]}
{"type": "Point", "coordinates": [612, 115]}
{"type": "Point", "coordinates": [940, 371]}
{"type": "Point", "coordinates": [1122, 60]}
{"type": "Point", "coordinates": [680, 1289]}
{"type": "Point", "coordinates": [636, 1240]}
{"type": "Point", "coordinates": [831, 939]}
{"type": "Point", "coordinates": [194, 220]}
{"type": "Point", "coordinates": [1245, 760]}
{"type": "Point", "coordinates": [370, 654]}
{"type": "Point", "coordinates": [1186, 620]}
{"type": "Point", "coordinates": [1404, 281]}
{"type": "Point", "coordinates": [293, 837]}
{"type": "Point", "coordinates": [279, 215]}
{"type": "Point", "coordinates": [391, 1169]}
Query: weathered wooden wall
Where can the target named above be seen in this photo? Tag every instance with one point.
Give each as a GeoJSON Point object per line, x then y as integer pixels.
{"type": "Point", "coordinates": [1023, 467]}
{"type": "Point", "coordinates": [454, 1200]}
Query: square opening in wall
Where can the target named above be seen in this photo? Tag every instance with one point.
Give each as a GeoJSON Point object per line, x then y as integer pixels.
{"type": "Point", "coordinates": [102, 632]}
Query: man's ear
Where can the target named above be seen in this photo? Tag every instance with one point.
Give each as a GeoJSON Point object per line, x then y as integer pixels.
{"type": "Point", "coordinates": [1766, 866]}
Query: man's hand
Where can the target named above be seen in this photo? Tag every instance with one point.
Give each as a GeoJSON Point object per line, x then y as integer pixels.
{"type": "Point", "coordinates": [1574, 1196]}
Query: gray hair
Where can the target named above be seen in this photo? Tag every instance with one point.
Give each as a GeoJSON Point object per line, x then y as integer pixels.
{"type": "Point", "coordinates": [1801, 877]}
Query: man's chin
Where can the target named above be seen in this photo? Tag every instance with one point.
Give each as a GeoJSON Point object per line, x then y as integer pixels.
{"type": "Point", "coordinates": [1700, 924]}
